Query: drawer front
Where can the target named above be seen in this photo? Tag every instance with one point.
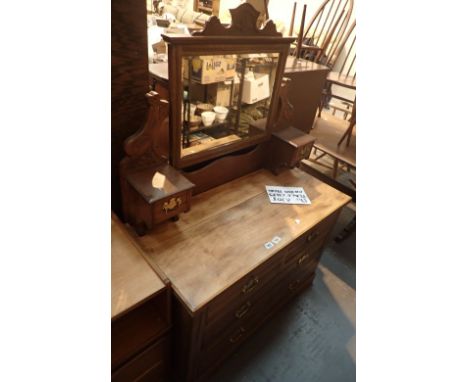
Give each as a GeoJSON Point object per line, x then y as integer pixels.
{"type": "Point", "coordinates": [171, 206]}
{"type": "Point", "coordinates": [250, 286]}
{"type": "Point", "coordinates": [150, 365]}
{"type": "Point", "coordinates": [312, 240]}
{"type": "Point", "coordinates": [302, 153]}
{"type": "Point", "coordinates": [303, 260]}
{"type": "Point", "coordinates": [239, 313]}
{"type": "Point", "coordinates": [136, 329]}
{"type": "Point", "coordinates": [229, 340]}
{"type": "Point", "coordinates": [298, 277]}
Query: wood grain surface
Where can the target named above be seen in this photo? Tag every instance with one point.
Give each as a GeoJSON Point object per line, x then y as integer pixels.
{"type": "Point", "coordinates": [222, 238]}
{"type": "Point", "coordinates": [133, 280]}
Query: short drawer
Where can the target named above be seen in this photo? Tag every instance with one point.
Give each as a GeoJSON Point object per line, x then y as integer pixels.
{"type": "Point", "coordinates": [303, 258]}
{"type": "Point", "coordinates": [302, 153]}
{"type": "Point", "coordinates": [246, 288]}
{"type": "Point", "coordinates": [152, 364]}
{"type": "Point", "coordinates": [171, 206]}
{"type": "Point", "coordinates": [295, 280]}
{"type": "Point", "coordinates": [227, 341]}
{"type": "Point", "coordinates": [312, 240]}
{"type": "Point", "coordinates": [299, 278]}
{"type": "Point", "coordinates": [237, 314]}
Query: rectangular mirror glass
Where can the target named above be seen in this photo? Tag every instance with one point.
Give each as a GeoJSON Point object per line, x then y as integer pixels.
{"type": "Point", "coordinates": [226, 98]}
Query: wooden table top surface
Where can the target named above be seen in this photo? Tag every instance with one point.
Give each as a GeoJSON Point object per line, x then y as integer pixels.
{"type": "Point", "coordinates": [133, 279]}
{"type": "Point", "coordinates": [222, 238]}
{"type": "Point", "coordinates": [159, 70]}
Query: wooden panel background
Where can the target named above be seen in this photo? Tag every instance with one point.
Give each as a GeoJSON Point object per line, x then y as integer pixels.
{"type": "Point", "coordinates": [129, 80]}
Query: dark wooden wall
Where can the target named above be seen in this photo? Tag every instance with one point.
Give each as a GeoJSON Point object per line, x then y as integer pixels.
{"type": "Point", "coordinates": [129, 80]}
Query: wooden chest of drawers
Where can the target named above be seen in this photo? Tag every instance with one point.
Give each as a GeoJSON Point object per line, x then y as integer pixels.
{"type": "Point", "coordinates": [140, 348]}
{"type": "Point", "coordinates": [226, 281]}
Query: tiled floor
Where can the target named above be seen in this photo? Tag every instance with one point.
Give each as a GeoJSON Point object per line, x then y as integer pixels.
{"type": "Point", "coordinates": [313, 338]}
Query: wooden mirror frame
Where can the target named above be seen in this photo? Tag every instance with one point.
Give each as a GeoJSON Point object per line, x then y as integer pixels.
{"type": "Point", "coordinates": [241, 37]}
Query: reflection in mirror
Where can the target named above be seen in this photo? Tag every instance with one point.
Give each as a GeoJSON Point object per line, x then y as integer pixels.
{"type": "Point", "coordinates": [226, 98]}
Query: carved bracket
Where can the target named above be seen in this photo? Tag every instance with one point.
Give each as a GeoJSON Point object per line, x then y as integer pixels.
{"type": "Point", "coordinates": [244, 23]}
{"type": "Point", "coordinates": [285, 110]}
{"type": "Point", "coordinates": [143, 140]}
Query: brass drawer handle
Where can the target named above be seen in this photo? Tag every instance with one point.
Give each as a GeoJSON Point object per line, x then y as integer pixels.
{"type": "Point", "coordinates": [172, 204]}
{"type": "Point", "coordinates": [303, 258]}
{"type": "Point", "coordinates": [250, 286]}
{"type": "Point", "coordinates": [313, 236]}
{"type": "Point", "coordinates": [236, 337]}
{"type": "Point", "coordinates": [293, 286]}
{"type": "Point", "coordinates": [242, 311]}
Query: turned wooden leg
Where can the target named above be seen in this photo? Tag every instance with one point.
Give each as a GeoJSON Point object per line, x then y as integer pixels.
{"type": "Point", "coordinates": [335, 169]}
{"type": "Point", "coordinates": [350, 228]}
{"type": "Point", "coordinates": [140, 228]}
{"type": "Point", "coordinates": [348, 133]}
{"type": "Point", "coordinates": [352, 123]}
{"type": "Point", "coordinates": [348, 141]}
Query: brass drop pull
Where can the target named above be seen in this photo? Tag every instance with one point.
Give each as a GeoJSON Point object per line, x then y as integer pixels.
{"type": "Point", "coordinates": [172, 204]}
{"type": "Point", "coordinates": [237, 336]}
{"type": "Point", "coordinates": [242, 311]}
{"type": "Point", "coordinates": [312, 236]}
{"type": "Point", "coordinates": [303, 258]}
{"type": "Point", "coordinates": [293, 286]}
{"type": "Point", "coordinates": [250, 286]}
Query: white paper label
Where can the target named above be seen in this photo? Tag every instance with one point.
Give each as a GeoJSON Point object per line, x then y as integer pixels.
{"type": "Point", "coordinates": [276, 240]}
{"type": "Point", "coordinates": [287, 195]}
{"type": "Point", "coordinates": [269, 245]}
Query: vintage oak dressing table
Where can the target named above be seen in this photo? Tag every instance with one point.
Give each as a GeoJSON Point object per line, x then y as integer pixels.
{"type": "Point", "coordinates": [225, 281]}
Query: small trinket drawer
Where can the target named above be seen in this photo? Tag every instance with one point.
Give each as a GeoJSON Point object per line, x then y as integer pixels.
{"type": "Point", "coordinates": [147, 204]}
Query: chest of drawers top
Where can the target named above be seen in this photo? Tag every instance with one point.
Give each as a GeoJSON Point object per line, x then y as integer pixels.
{"type": "Point", "coordinates": [223, 237]}
{"type": "Point", "coordinates": [133, 280]}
